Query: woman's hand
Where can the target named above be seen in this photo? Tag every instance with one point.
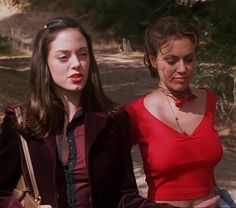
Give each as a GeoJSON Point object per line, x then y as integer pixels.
{"type": "Point", "coordinates": [209, 203]}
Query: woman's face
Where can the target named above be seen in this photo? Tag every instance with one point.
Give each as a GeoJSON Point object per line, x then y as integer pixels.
{"type": "Point", "coordinates": [175, 63]}
{"type": "Point", "coordinates": [68, 61]}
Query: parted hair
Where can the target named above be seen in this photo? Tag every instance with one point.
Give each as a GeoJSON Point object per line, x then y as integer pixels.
{"type": "Point", "coordinates": [44, 111]}
{"type": "Point", "coordinates": [157, 34]}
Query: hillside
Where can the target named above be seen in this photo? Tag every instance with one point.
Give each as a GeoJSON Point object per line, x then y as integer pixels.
{"type": "Point", "coordinates": [22, 25]}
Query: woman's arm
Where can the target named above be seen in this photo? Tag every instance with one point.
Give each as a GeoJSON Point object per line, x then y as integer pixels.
{"type": "Point", "coordinates": [9, 153]}
{"type": "Point", "coordinates": [130, 197]}
{"type": "Point", "coordinates": [9, 161]}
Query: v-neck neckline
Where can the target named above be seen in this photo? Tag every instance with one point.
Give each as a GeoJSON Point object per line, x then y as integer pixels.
{"type": "Point", "coordinates": [173, 129]}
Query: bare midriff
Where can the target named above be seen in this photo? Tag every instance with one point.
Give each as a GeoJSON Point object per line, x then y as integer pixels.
{"type": "Point", "coordinates": [187, 203]}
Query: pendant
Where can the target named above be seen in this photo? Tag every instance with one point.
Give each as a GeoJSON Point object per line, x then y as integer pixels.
{"type": "Point", "coordinates": [179, 102]}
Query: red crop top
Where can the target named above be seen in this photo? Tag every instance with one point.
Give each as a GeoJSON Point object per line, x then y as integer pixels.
{"type": "Point", "coordinates": [177, 166]}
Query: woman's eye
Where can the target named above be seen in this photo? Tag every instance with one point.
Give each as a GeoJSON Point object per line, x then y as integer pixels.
{"type": "Point", "coordinates": [62, 58]}
{"type": "Point", "coordinates": [83, 54]}
{"type": "Point", "coordinates": [188, 60]}
{"type": "Point", "coordinates": [171, 61]}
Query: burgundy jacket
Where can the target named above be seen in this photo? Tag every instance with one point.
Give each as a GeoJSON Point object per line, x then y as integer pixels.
{"type": "Point", "coordinates": [112, 181]}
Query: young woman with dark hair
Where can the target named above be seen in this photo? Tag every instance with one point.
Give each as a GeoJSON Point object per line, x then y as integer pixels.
{"type": "Point", "coordinates": [77, 137]}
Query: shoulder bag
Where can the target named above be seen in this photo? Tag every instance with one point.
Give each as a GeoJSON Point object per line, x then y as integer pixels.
{"type": "Point", "coordinates": [226, 200]}
{"type": "Point", "coordinates": [27, 198]}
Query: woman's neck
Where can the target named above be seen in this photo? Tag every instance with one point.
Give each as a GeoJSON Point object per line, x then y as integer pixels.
{"type": "Point", "coordinates": [71, 108]}
{"type": "Point", "coordinates": [179, 97]}
{"type": "Point", "coordinates": [71, 101]}
{"type": "Point", "coordinates": [176, 94]}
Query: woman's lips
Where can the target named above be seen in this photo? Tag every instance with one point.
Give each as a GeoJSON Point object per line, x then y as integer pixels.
{"type": "Point", "coordinates": [181, 79]}
{"type": "Point", "coordinates": [76, 78]}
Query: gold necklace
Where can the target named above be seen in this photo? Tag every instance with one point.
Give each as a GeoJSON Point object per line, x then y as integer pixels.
{"type": "Point", "coordinates": [175, 116]}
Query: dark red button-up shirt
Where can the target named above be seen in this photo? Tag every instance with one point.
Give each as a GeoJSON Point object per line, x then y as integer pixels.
{"type": "Point", "coordinates": [76, 172]}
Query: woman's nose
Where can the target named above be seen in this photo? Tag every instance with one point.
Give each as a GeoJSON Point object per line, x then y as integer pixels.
{"type": "Point", "coordinates": [182, 66]}
{"type": "Point", "coordinates": [75, 62]}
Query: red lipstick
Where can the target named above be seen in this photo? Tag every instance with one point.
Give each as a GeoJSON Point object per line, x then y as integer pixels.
{"type": "Point", "coordinates": [76, 78]}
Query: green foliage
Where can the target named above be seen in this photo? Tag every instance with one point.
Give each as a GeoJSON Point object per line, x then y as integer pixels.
{"type": "Point", "coordinates": [218, 78]}
{"type": "Point", "coordinates": [218, 30]}
{"type": "Point", "coordinates": [5, 47]}
{"type": "Point", "coordinates": [219, 52]}
{"type": "Point", "coordinates": [83, 6]}
{"type": "Point", "coordinates": [126, 19]}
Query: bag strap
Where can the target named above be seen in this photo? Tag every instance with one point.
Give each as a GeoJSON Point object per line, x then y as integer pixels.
{"type": "Point", "coordinates": [28, 158]}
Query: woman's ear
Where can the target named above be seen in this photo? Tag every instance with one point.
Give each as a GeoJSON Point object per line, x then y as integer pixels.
{"type": "Point", "coordinates": [153, 60]}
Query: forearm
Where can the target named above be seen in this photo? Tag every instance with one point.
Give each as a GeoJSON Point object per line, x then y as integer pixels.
{"type": "Point", "coordinates": [134, 200]}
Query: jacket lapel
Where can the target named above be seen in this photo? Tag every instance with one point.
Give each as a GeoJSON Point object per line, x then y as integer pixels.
{"type": "Point", "coordinates": [94, 123]}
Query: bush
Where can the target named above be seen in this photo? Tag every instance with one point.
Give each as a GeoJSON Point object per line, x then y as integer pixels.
{"type": "Point", "coordinates": [218, 78]}
{"type": "Point", "coordinates": [5, 46]}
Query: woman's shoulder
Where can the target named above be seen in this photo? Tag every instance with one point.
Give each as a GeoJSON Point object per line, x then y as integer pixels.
{"type": "Point", "coordinates": [206, 96]}
{"type": "Point", "coordinates": [199, 92]}
{"type": "Point", "coordinates": [10, 113]}
{"type": "Point", "coordinates": [135, 104]}
{"type": "Point", "coordinates": [120, 113]}
{"type": "Point", "coordinates": [9, 124]}
{"type": "Point", "coordinates": [10, 110]}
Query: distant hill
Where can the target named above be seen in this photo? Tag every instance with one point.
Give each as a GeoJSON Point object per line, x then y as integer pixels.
{"type": "Point", "coordinates": [21, 21]}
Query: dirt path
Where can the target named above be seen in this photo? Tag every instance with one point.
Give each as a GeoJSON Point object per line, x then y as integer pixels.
{"type": "Point", "coordinates": [21, 26]}
{"type": "Point", "coordinates": [124, 79]}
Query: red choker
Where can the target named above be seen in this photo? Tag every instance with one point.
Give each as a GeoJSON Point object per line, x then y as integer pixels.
{"type": "Point", "coordinates": [180, 98]}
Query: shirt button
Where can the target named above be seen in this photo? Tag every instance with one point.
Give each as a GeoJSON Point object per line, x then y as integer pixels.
{"type": "Point", "coordinates": [57, 195]}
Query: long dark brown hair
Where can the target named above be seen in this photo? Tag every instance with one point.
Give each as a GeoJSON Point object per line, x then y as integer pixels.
{"type": "Point", "coordinates": [161, 31]}
{"type": "Point", "coordinates": [44, 111]}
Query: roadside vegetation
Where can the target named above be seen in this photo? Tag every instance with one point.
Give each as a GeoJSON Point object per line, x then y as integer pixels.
{"type": "Point", "coordinates": [5, 46]}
